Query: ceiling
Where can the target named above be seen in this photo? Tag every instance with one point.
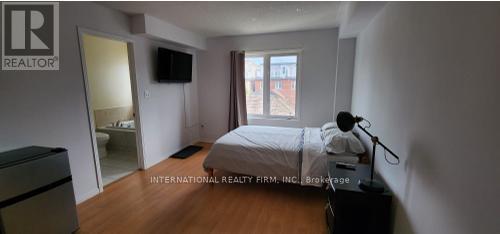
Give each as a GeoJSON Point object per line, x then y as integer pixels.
{"type": "Point", "coordinates": [212, 19]}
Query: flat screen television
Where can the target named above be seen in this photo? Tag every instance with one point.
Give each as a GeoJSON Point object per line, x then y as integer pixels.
{"type": "Point", "coordinates": [174, 66]}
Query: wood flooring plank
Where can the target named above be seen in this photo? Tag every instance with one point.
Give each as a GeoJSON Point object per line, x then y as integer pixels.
{"type": "Point", "coordinates": [135, 205]}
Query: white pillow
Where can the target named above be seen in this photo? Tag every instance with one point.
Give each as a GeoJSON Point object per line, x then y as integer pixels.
{"type": "Point", "coordinates": [338, 142]}
{"type": "Point", "coordinates": [328, 125]}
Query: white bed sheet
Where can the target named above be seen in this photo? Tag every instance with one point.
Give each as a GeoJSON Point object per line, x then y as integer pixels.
{"type": "Point", "coordinates": [257, 151]}
{"type": "Point", "coordinates": [274, 152]}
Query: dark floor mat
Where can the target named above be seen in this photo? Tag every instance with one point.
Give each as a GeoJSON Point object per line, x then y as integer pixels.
{"type": "Point", "coordinates": [186, 152]}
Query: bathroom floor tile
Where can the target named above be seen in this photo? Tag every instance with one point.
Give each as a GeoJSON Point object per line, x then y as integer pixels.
{"type": "Point", "coordinates": [117, 164]}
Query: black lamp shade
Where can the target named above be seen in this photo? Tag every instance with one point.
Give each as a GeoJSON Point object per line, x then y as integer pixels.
{"type": "Point", "coordinates": [345, 121]}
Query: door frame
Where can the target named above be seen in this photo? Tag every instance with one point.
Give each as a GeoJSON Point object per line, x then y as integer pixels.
{"type": "Point", "coordinates": [135, 98]}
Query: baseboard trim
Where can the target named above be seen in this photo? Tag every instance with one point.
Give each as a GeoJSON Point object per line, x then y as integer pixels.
{"type": "Point", "coordinates": [87, 195]}
{"type": "Point", "coordinates": [207, 140]}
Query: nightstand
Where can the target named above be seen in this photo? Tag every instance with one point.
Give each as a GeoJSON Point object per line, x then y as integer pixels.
{"type": "Point", "coordinates": [352, 210]}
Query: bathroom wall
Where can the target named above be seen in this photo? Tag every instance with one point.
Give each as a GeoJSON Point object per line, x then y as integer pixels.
{"type": "Point", "coordinates": [108, 76]}
{"type": "Point", "coordinates": [103, 117]}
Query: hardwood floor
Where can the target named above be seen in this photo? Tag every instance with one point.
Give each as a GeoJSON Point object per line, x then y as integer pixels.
{"type": "Point", "coordinates": [135, 205]}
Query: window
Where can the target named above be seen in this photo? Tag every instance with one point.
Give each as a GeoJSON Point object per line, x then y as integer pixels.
{"type": "Point", "coordinates": [277, 84]}
{"type": "Point", "coordinates": [272, 92]}
{"type": "Point", "coordinates": [253, 90]}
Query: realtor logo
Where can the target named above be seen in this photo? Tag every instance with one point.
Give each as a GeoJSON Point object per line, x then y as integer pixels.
{"type": "Point", "coordinates": [30, 36]}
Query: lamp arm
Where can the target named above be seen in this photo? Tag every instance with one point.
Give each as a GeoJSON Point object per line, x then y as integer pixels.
{"type": "Point", "coordinates": [378, 142]}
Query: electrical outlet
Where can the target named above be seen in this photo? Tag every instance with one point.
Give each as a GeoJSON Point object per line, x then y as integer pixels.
{"type": "Point", "coordinates": [147, 94]}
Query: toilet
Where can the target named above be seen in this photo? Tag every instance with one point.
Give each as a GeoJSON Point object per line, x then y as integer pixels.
{"type": "Point", "coordinates": [102, 141]}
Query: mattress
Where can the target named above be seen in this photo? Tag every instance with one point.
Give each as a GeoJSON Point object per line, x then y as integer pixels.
{"type": "Point", "coordinates": [258, 151]}
{"type": "Point", "coordinates": [273, 152]}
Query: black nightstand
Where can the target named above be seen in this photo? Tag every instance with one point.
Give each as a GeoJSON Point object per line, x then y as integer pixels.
{"type": "Point", "coordinates": [352, 210]}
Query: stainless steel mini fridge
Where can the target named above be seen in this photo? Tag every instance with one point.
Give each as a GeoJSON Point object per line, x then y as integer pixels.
{"type": "Point", "coordinates": [36, 191]}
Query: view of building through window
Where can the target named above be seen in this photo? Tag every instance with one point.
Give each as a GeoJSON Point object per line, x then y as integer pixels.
{"type": "Point", "coordinates": [281, 80]}
{"type": "Point", "coordinates": [254, 76]}
{"type": "Point", "coordinates": [282, 101]}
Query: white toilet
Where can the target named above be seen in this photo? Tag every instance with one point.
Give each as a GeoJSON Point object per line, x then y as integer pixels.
{"type": "Point", "coordinates": [102, 141]}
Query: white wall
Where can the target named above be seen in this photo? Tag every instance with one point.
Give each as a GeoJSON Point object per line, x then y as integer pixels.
{"type": "Point", "coordinates": [356, 15]}
{"type": "Point", "coordinates": [48, 107]}
{"type": "Point", "coordinates": [427, 77]}
{"type": "Point", "coordinates": [108, 72]}
{"type": "Point", "coordinates": [166, 129]}
{"type": "Point", "coordinates": [319, 59]}
{"type": "Point", "coordinates": [152, 27]}
{"type": "Point", "coordinates": [345, 72]}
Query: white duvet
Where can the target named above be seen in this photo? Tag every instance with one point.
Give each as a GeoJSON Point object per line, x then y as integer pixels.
{"type": "Point", "coordinates": [273, 152]}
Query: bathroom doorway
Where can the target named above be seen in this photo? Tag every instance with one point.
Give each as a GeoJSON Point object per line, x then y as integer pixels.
{"type": "Point", "coordinates": [111, 93]}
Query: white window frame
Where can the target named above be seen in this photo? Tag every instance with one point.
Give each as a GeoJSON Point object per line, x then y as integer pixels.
{"type": "Point", "coordinates": [267, 83]}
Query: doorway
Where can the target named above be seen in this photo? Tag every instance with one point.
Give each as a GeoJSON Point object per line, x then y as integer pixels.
{"type": "Point", "coordinates": [111, 94]}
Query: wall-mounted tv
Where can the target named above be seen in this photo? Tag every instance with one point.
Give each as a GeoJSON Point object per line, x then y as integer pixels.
{"type": "Point", "coordinates": [174, 66]}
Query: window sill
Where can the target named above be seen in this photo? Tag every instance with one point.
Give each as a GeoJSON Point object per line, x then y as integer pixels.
{"type": "Point", "coordinates": [277, 118]}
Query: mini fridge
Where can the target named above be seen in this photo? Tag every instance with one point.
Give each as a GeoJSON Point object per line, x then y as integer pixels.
{"type": "Point", "coordinates": [36, 191]}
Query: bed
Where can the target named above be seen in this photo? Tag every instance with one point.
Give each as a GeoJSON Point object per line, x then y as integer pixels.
{"type": "Point", "coordinates": [277, 152]}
